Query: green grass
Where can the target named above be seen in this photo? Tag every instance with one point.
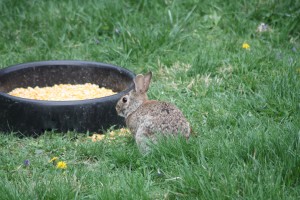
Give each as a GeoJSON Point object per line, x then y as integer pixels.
{"type": "Point", "coordinates": [243, 105]}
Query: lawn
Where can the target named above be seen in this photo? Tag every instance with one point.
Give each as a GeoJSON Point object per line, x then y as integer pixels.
{"type": "Point", "coordinates": [237, 83]}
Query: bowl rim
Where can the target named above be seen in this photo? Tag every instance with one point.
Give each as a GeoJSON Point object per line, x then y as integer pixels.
{"type": "Point", "coordinates": [65, 62]}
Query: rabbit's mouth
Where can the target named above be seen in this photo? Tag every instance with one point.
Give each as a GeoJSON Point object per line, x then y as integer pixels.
{"type": "Point", "coordinates": [122, 114]}
{"type": "Point", "coordinates": [120, 111]}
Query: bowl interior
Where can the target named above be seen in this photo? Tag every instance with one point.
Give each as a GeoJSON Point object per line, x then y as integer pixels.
{"type": "Point", "coordinates": [43, 74]}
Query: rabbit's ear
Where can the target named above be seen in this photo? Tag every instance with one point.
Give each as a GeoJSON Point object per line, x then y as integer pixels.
{"type": "Point", "coordinates": [147, 79]}
{"type": "Point", "coordinates": [139, 83]}
{"type": "Point", "coordinates": [142, 82]}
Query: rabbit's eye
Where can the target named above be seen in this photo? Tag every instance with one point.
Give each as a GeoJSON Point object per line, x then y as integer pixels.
{"type": "Point", "coordinates": [124, 99]}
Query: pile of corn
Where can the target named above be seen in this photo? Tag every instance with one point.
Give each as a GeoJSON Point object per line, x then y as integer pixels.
{"type": "Point", "coordinates": [63, 92]}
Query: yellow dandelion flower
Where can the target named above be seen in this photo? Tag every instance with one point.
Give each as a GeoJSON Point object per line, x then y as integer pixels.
{"type": "Point", "coordinates": [61, 165]}
{"type": "Point", "coordinates": [53, 159]}
{"type": "Point", "coordinates": [245, 45]}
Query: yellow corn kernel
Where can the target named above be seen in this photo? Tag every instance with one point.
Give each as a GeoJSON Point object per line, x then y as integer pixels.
{"type": "Point", "coordinates": [63, 92]}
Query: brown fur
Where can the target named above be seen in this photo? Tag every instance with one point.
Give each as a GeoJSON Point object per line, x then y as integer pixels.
{"type": "Point", "coordinates": [147, 118]}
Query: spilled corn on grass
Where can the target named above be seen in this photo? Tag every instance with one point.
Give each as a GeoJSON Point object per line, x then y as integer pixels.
{"type": "Point", "coordinates": [63, 92]}
{"type": "Point", "coordinates": [111, 135]}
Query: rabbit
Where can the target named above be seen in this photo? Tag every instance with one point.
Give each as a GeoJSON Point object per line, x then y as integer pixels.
{"type": "Point", "coordinates": [146, 119]}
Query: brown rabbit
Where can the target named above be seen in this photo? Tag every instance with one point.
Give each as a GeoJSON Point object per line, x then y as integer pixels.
{"type": "Point", "coordinates": [148, 118]}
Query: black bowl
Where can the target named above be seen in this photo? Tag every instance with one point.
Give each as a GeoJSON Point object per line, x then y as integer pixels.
{"type": "Point", "coordinates": [34, 117]}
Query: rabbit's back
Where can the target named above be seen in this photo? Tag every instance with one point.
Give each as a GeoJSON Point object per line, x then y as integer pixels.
{"type": "Point", "coordinates": [158, 117]}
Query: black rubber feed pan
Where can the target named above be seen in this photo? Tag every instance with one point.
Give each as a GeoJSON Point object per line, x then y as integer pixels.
{"type": "Point", "coordinates": [34, 117]}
